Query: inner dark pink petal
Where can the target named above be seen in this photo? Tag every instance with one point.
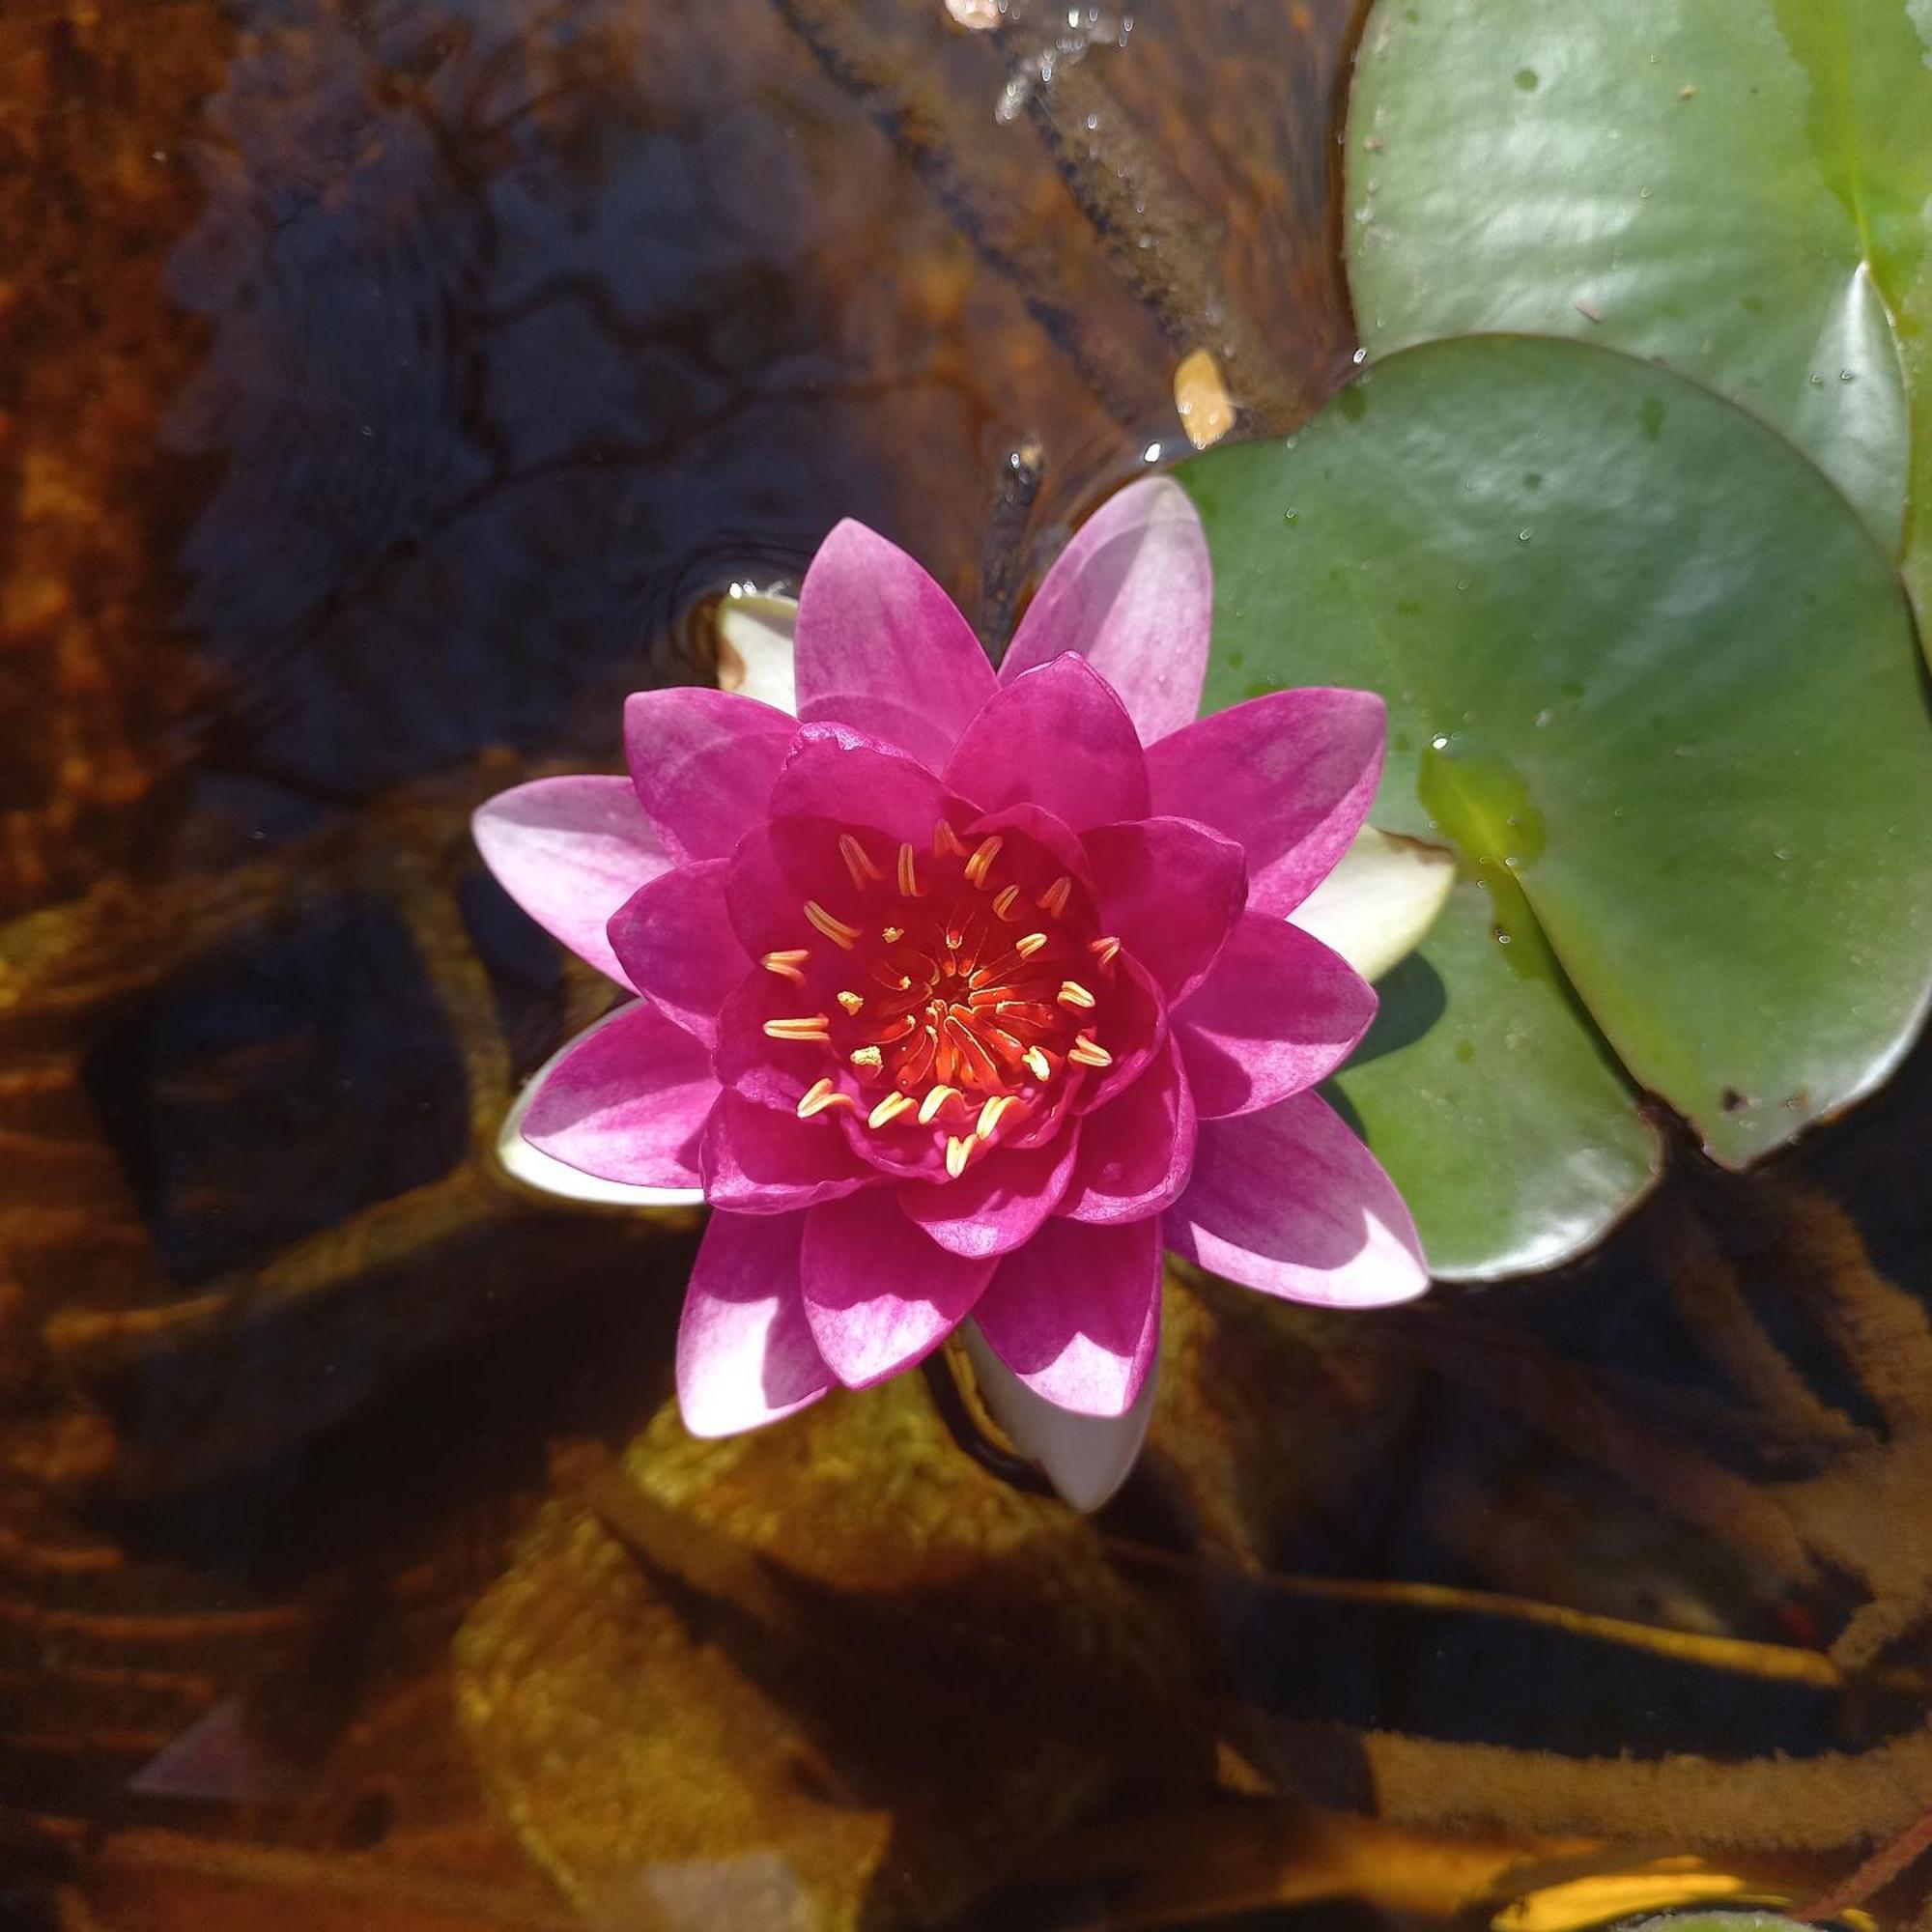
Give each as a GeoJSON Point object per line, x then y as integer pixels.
{"type": "Point", "coordinates": [925, 1001]}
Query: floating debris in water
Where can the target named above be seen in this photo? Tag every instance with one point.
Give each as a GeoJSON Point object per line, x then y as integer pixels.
{"type": "Point", "coordinates": [978, 17]}
{"type": "Point", "coordinates": [1201, 399]}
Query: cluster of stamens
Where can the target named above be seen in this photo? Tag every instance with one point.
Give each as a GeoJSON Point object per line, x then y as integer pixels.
{"type": "Point", "coordinates": [965, 996]}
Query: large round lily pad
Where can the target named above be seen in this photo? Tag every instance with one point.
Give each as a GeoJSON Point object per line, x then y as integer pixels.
{"type": "Point", "coordinates": [1655, 680]}
{"type": "Point", "coordinates": [1743, 191]}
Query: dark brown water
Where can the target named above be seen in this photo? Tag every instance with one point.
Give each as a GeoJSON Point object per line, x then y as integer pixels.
{"type": "Point", "coordinates": [385, 388]}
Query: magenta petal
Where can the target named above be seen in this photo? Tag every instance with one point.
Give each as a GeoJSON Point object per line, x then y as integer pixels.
{"type": "Point", "coordinates": [765, 1160]}
{"type": "Point", "coordinates": [1278, 1012]}
{"type": "Point", "coordinates": [1287, 777]}
{"type": "Point", "coordinates": [1289, 1202]}
{"type": "Point", "coordinates": [764, 895]}
{"type": "Point", "coordinates": [746, 1060]}
{"type": "Point", "coordinates": [1001, 1199]}
{"type": "Point", "coordinates": [1134, 593]}
{"type": "Point", "coordinates": [1051, 835]}
{"type": "Point", "coordinates": [880, 646]}
{"type": "Point", "coordinates": [1137, 1151]}
{"type": "Point", "coordinates": [702, 763]}
{"type": "Point", "coordinates": [570, 852]}
{"type": "Point", "coordinates": [857, 781]}
{"type": "Point", "coordinates": [627, 1102]}
{"type": "Point", "coordinates": [674, 939]}
{"type": "Point", "coordinates": [1075, 1314]}
{"type": "Point", "coordinates": [1057, 737]}
{"type": "Point", "coordinates": [1170, 891]}
{"type": "Point", "coordinates": [745, 1353]}
{"type": "Point", "coordinates": [879, 1295]}
{"type": "Point", "coordinates": [1134, 1025]}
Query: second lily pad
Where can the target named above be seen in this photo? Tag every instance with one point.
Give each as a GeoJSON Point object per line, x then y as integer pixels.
{"type": "Point", "coordinates": [1654, 678]}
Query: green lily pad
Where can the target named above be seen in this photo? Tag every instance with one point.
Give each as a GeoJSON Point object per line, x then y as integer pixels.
{"type": "Point", "coordinates": [1506, 1121]}
{"type": "Point", "coordinates": [1740, 192]}
{"type": "Point", "coordinates": [1652, 678]}
{"type": "Point", "coordinates": [1717, 1920]}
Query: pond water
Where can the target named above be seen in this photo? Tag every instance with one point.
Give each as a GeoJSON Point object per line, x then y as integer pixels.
{"type": "Point", "coordinates": [386, 386]}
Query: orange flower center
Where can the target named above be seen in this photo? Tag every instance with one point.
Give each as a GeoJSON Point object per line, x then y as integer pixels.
{"type": "Point", "coordinates": [963, 994]}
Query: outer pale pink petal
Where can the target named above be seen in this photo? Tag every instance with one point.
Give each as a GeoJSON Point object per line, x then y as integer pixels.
{"type": "Point", "coordinates": [879, 1295]}
{"type": "Point", "coordinates": [1287, 777]}
{"type": "Point", "coordinates": [881, 646]}
{"type": "Point", "coordinates": [702, 763]}
{"type": "Point", "coordinates": [674, 940]}
{"type": "Point", "coordinates": [856, 779]}
{"type": "Point", "coordinates": [1170, 891]}
{"type": "Point", "coordinates": [570, 852]}
{"type": "Point", "coordinates": [1289, 1202]}
{"type": "Point", "coordinates": [534, 1169]}
{"type": "Point", "coordinates": [1278, 1012]}
{"type": "Point", "coordinates": [1057, 737]}
{"type": "Point", "coordinates": [745, 1353]}
{"type": "Point", "coordinates": [765, 1160]}
{"type": "Point", "coordinates": [627, 1102]}
{"type": "Point", "coordinates": [1087, 1457]}
{"type": "Point", "coordinates": [1134, 592]}
{"type": "Point", "coordinates": [1001, 1199]}
{"type": "Point", "coordinates": [1137, 1151]}
{"type": "Point", "coordinates": [1075, 1314]}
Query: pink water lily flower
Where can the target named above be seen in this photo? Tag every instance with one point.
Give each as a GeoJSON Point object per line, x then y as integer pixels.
{"type": "Point", "coordinates": [962, 997]}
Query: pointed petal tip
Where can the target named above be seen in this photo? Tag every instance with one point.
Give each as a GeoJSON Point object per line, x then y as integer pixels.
{"type": "Point", "coordinates": [744, 1354]}
{"type": "Point", "coordinates": [1381, 900]}
{"type": "Point", "coordinates": [1086, 1457]}
{"type": "Point", "coordinates": [612, 1117]}
{"type": "Point", "coordinates": [1133, 590]}
{"type": "Point", "coordinates": [1289, 1201]}
{"type": "Point", "coordinates": [570, 851]}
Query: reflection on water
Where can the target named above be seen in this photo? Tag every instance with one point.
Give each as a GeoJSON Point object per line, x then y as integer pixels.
{"type": "Point", "coordinates": [389, 385]}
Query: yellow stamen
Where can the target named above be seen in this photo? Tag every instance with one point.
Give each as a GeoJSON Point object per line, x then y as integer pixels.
{"type": "Point", "coordinates": [946, 842]}
{"type": "Point", "coordinates": [1025, 948]}
{"type": "Point", "coordinates": [935, 1098]}
{"type": "Point", "coordinates": [817, 1026]}
{"type": "Point", "coordinates": [1053, 901]}
{"type": "Point", "coordinates": [868, 1060]}
{"type": "Point", "coordinates": [892, 934]}
{"type": "Point", "coordinates": [821, 1095]}
{"type": "Point", "coordinates": [1084, 1052]}
{"type": "Point", "coordinates": [835, 929]}
{"type": "Point", "coordinates": [909, 885]}
{"type": "Point", "coordinates": [1039, 1064]}
{"type": "Point", "coordinates": [1073, 994]}
{"type": "Point", "coordinates": [858, 861]}
{"type": "Point", "coordinates": [786, 964]}
{"type": "Point", "coordinates": [977, 866]}
{"type": "Point", "coordinates": [957, 1153]}
{"type": "Point", "coordinates": [889, 1110]}
{"type": "Point", "coordinates": [1104, 949]}
{"type": "Point", "coordinates": [990, 1114]}
{"type": "Point", "coordinates": [1002, 904]}
{"type": "Point", "coordinates": [852, 1001]}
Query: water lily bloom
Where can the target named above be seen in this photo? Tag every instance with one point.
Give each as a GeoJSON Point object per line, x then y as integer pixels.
{"type": "Point", "coordinates": [963, 996]}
